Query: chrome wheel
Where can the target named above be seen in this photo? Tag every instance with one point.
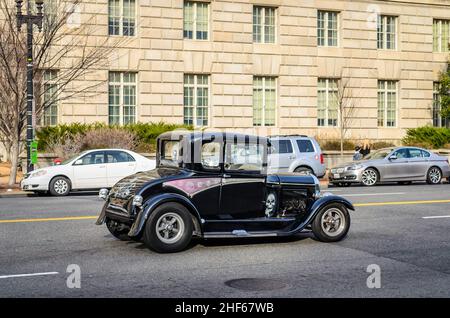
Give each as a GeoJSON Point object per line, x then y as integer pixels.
{"type": "Point", "coordinates": [369, 177]}
{"type": "Point", "coordinates": [333, 222]}
{"type": "Point", "coordinates": [170, 228]}
{"type": "Point", "coordinates": [434, 175]}
{"type": "Point", "coordinates": [61, 186]}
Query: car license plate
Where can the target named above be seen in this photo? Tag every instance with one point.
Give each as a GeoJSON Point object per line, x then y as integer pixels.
{"type": "Point", "coordinates": [336, 176]}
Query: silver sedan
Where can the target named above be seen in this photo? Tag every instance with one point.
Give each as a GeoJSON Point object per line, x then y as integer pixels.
{"type": "Point", "coordinates": [402, 164]}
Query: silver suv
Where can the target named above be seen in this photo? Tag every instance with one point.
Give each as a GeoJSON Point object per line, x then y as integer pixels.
{"type": "Point", "coordinates": [296, 153]}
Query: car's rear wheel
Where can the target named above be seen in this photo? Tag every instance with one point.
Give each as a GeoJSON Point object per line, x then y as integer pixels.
{"type": "Point", "coordinates": [369, 177]}
{"type": "Point", "coordinates": [169, 228]}
{"type": "Point", "coordinates": [332, 223]}
{"type": "Point", "coordinates": [59, 186]}
{"type": "Point", "coordinates": [304, 170]}
{"type": "Point", "coordinates": [118, 230]}
{"type": "Point", "coordinates": [434, 175]}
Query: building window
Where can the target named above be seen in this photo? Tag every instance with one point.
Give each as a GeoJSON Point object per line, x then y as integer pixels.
{"type": "Point", "coordinates": [441, 35]}
{"type": "Point", "coordinates": [264, 24]}
{"type": "Point", "coordinates": [327, 103]}
{"type": "Point", "coordinates": [122, 17]}
{"type": "Point", "coordinates": [196, 99]}
{"type": "Point", "coordinates": [327, 28]}
{"type": "Point", "coordinates": [387, 103]}
{"type": "Point", "coordinates": [196, 16]}
{"type": "Point", "coordinates": [122, 98]}
{"type": "Point", "coordinates": [264, 101]}
{"type": "Point", "coordinates": [50, 114]}
{"type": "Point", "coordinates": [387, 32]}
{"type": "Point", "coordinates": [438, 121]}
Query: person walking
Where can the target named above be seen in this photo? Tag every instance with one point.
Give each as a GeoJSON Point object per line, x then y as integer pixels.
{"type": "Point", "coordinates": [357, 154]}
{"type": "Point", "coordinates": [365, 150]}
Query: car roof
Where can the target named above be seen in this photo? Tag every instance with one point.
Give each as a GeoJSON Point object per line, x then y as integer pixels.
{"type": "Point", "coordinates": [107, 149]}
{"type": "Point", "coordinates": [201, 135]}
{"type": "Point", "coordinates": [289, 136]}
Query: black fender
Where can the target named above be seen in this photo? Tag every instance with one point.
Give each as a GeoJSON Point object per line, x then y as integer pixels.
{"type": "Point", "coordinates": [152, 203]}
{"type": "Point", "coordinates": [317, 206]}
{"type": "Point", "coordinates": [328, 199]}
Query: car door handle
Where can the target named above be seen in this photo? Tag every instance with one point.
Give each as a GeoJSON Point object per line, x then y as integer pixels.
{"type": "Point", "coordinates": [102, 166]}
{"type": "Point", "coordinates": [291, 157]}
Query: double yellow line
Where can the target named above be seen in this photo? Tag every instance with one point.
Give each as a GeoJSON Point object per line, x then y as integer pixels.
{"type": "Point", "coordinates": [88, 217]}
{"type": "Point", "coordinates": [400, 203]}
{"type": "Point", "coordinates": [68, 218]}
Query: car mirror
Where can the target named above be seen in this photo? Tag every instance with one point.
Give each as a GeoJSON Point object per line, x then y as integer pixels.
{"type": "Point", "coordinates": [393, 157]}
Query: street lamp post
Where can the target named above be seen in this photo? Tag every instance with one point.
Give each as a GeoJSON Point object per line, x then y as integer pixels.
{"type": "Point", "coordinates": [30, 20]}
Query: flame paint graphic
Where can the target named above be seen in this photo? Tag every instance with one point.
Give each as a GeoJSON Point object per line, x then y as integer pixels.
{"type": "Point", "coordinates": [193, 186]}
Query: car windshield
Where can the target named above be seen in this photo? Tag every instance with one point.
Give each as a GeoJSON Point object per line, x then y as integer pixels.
{"type": "Point", "coordinates": [379, 154]}
{"type": "Point", "coordinates": [72, 158]}
{"type": "Point", "coordinates": [170, 152]}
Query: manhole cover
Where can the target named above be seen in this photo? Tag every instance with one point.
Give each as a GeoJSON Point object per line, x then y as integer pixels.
{"type": "Point", "coordinates": [255, 284]}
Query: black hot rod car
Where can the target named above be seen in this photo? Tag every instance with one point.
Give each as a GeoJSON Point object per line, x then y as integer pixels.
{"type": "Point", "coordinates": [215, 185]}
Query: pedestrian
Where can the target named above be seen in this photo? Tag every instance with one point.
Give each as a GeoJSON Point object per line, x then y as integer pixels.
{"type": "Point", "coordinates": [365, 150]}
{"type": "Point", "coordinates": [357, 155]}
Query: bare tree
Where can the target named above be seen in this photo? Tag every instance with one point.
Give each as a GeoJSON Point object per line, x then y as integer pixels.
{"type": "Point", "coordinates": [346, 107]}
{"type": "Point", "coordinates": [67, 45]}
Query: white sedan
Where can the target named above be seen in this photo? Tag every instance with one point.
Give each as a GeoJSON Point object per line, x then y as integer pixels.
{"type": "Point", "coordinates": [93, 169]}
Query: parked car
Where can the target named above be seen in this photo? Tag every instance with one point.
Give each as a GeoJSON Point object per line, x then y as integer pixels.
{"type": "Point", "coordinates": [296, 153]}
{"type": "Point", "coordinates": [93, 169]}
{"type": "Point", "coordinates": [215, 185]}
{"type": "Point", "coordinates": [402, 164]}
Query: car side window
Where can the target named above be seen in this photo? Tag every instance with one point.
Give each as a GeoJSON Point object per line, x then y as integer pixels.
{"type": "Point", "coordinates": [402, 153]}
{"type": "Point", "coordinates": [118, 156]}
{"type": "Point", "coordinates": [426, 154]}
{"type": "Point", "coordinates": [305, 145]}
{"type": "Point", "coordinates": [416, 153]}
{"type": "Point", "coordinates": [281, 147]}
{"type": "Point", "coordinates": [91, 159]}
{"type": "Point", "coordinates": [210, 155]}
{"type": "Point", "coordinates": [244, 157]}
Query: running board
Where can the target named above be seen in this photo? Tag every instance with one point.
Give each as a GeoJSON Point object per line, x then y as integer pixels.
{"type": "Point", "coordinates": [238, 233]}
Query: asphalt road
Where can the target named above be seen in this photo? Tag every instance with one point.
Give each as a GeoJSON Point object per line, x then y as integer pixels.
{"type": "Point", "coordinates": [402, 229]}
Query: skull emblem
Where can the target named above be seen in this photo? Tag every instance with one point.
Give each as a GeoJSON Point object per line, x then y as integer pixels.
{"type": "Point", "coordinates": [271, 202]}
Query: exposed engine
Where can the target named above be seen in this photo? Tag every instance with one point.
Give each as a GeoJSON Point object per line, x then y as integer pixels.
{"type": "Point", "coordinates": [293, 203]}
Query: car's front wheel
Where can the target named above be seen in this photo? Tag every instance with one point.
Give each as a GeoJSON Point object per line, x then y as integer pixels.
{"type": "Point", "coordinates": [332, 223]}
{"type": "Point", "coordinates": [434, 175]}
{"type": "Point", "coordinates": [169, 228]}
{"type": "Point", "coordinates": [369, 177]}
{"type": "Point", "coordinates": [59, 186]}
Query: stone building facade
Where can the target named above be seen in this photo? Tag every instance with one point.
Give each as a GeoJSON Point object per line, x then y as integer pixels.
{"type": "Point", "coordinates": [269, 66]}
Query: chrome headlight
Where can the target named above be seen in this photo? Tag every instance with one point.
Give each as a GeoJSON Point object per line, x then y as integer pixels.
{"type": "Point", "coordinates": [137, 200]}
{"type": "Point", "coordinates": [38, 173]}
{"type": "Point", "coordinates": [316, 186]}
{"type": "Point", "coordinates": [103, 194]}
{"type": "Point", "coordinates": [355, 167]}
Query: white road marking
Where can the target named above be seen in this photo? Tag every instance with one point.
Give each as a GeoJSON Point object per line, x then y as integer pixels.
{"type": "Point", "coordinates": [370, 194]}
{"type": "Point", "coordinates": [436, 217]}
{"type": "Point", "coordinates": [28, 275]}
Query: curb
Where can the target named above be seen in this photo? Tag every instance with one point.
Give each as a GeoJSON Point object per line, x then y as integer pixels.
{"type": "Point", "coordinates": [13, 194]}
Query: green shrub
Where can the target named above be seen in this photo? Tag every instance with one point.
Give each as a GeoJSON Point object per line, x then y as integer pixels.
{"type": "Point", "coordinates": [145, 133]}
{"type": "Point", "coordinates": [427, 137]}
{"type": "Point", "coordinates": [336, 145]}
{"type": "Point", "coordinates": [57, 134]}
